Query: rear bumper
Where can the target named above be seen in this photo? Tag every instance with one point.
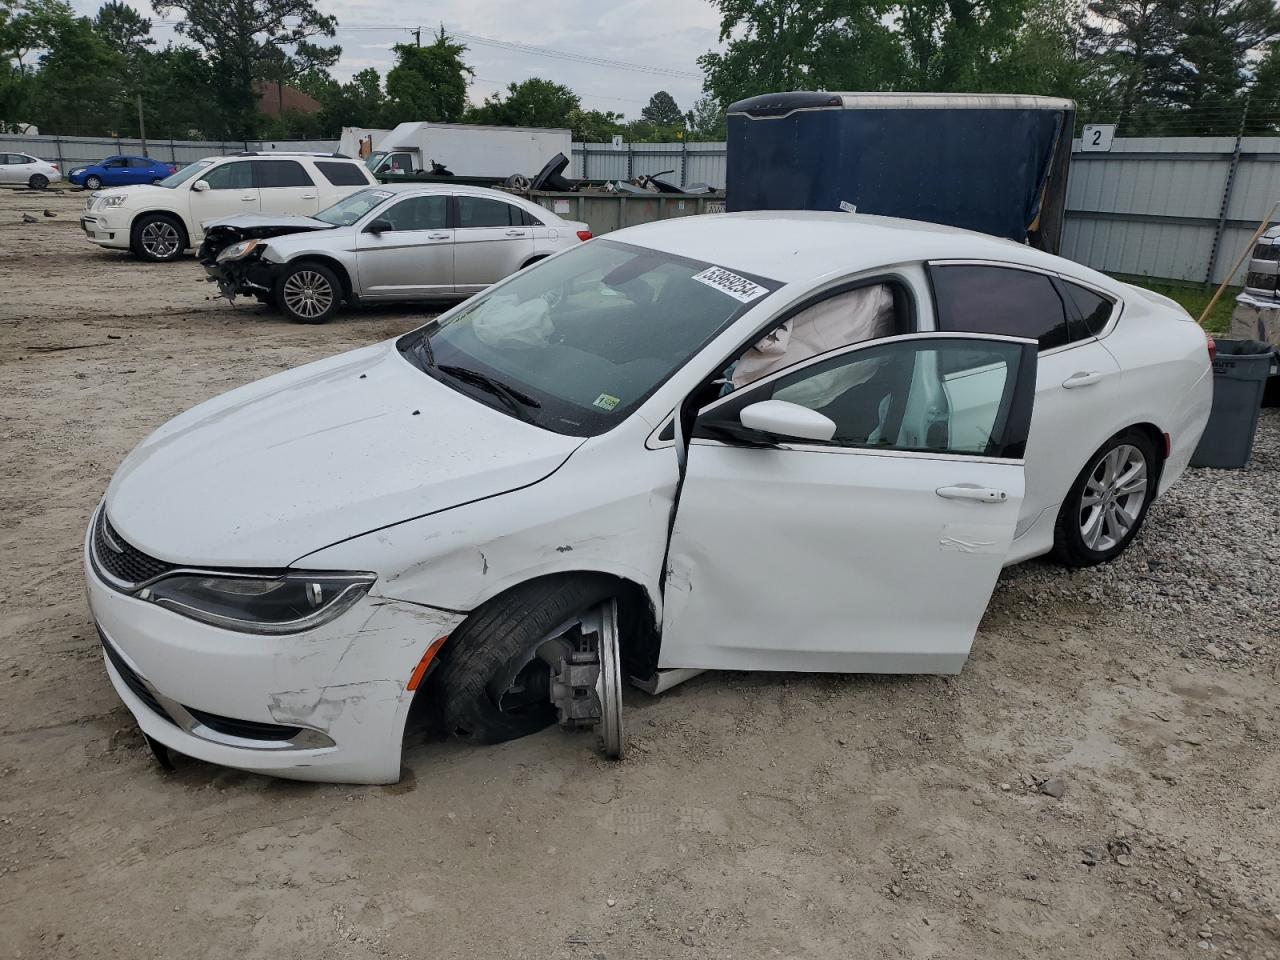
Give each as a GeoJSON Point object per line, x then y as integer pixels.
{"type": "Point", "coordinates": [327, 704]}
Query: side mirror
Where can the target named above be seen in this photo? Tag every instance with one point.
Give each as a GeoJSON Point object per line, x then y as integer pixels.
{"type": "Point", "coordinates": [784, 419]}
{"type": "Point", "coordinates": [200, 186]}
{"type": "Point", "coordinates": [379, 225]}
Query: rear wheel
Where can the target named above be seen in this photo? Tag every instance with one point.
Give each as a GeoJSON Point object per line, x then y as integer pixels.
{"type": "Point", "coordinates": [159, 238]}
{"type": "Point", "coordinates": [1108, 503]}
{"type": "Point", "coordinates": [93, 182]}
{"type": "Point", "coordinates": [494, 685]}
{"type": "Point", "coordinates": [308, 293]}
{"type": "Point", "coordinates": [38, 181]}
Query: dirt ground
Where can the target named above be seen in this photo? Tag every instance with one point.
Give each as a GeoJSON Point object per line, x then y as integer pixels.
{"type": "Point", "coordinates": [756, 816]}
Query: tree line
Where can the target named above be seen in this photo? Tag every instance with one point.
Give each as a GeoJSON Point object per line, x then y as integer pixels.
{"type": "Point", "coordinates": [1189, 67]}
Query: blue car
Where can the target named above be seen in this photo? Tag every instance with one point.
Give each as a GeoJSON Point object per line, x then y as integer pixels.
{"type": "Point", "coordinates": [120, 172]}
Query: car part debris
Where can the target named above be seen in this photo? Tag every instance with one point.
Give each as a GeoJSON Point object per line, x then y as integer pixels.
{"type": "Point", "coordinates": [586, 677]}
{"type": "Point", "coordinates": [440, 170]}
{"type": "Point", "coordinates": [550, 177]}
{"type": "Point", "coordinates": [517, 182]}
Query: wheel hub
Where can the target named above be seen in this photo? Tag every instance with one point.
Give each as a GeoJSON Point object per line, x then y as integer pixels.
{"type": "Point", "coordinates": [1113, 496]}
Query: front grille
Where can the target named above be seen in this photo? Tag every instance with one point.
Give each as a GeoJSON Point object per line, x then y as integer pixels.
{"type": "Point", "coordinates": [1267, 251]}
{"type": "Point", "coordinates": [1261, 281]}
{"type": "Point", "coordinates": [246, 729]}
{"type": "Point", "coordinates": [132, 680]}
{"type": "Point", "coordinates": [121, 560]}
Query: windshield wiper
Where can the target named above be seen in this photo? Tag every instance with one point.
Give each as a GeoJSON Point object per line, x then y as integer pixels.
{"type": "Point", "coordinates": [514, 398]}
{"type": "Point", "coordinates": [422, 349]}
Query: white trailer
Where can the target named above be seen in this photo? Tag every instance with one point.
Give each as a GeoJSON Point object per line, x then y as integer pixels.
{"type": "Point", "coordinates": [466, 149]}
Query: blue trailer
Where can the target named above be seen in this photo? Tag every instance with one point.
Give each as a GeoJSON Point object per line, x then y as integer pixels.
{"type": "Point", "coordinates": [996, 163]}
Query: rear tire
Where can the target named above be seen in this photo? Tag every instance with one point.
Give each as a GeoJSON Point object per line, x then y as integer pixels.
{"type": "Point", "coordinates": [308, 292]}
{"type": "Point", "coordinates": [1106, 506]}
{"type": "Point", "coordinates": [158, 238]}
{"type": "Point", "coordinates": [500, 640]}
{"type": "Point", "coordinates": [38, 181]}
{"type": "Point", "coordinates": [93, 183]}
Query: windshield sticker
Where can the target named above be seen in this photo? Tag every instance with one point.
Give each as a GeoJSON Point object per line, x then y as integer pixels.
{"type": "Point", "coordinates": [605, 402]}
{"type": "Point", "coordinates": [740, 288]}
{"type": "Point", "coordinates": [382, 194]}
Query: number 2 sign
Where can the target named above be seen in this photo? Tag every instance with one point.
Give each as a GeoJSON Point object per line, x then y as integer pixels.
{"type": "Point", "coordinates": [1097, 136]}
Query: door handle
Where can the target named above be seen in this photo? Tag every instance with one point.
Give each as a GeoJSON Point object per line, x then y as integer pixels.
{"type": "Point", "coordinates": [308, 196]}
{"type": "Point", "coordinates": [437, 236]}
{"type": "Point", "coordinates": [1082, 378]}
{"type": "Point", "coordinates": [515, 233]}
{"type": "Point", "coordinates": [968, 491]}
{"type": "Point", "coordinates": [248, 199]}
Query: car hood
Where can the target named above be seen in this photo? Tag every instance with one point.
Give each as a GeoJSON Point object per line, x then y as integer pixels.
{"type": "Point", "coordinates": [270, 472]}
{"type": "Point", "coordinates": [224, 231]}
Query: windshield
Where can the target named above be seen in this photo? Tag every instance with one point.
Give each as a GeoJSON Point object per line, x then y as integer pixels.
{"type": "Point", "coordinates": [374, 159]}
{"type": "Point", "coordinates": [350, 209]}
{"type": "Point", "coordinates": [587, 336]}
{"type": "Point", "coordinates": [185, 174]}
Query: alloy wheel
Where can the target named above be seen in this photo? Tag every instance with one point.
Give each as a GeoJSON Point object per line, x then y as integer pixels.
{"type": "Point", "coordinates": [1112, 499]}
{"type": "Point", "coordinates": [93, 183]}
{"type": "Point", "coordinates": [160, 239]}
{"type": "Point", "coordinates": [308, 294]}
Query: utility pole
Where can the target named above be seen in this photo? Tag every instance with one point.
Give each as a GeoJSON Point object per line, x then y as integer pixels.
{"type": "Point", "coordinates": [417, 36]}
{"type": "Point", "coordinates": [142, 127]}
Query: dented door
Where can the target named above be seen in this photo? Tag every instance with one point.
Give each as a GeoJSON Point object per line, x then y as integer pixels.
{"type": "Point", "coordinates": [874, 552]}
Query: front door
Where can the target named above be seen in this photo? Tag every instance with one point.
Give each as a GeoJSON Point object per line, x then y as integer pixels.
{"type": "Point", "coordinates": [412, 259]}
{"type": "Point", "coordinates": [286, 187]}
{"type": "Point", "coordinates": [9, 168]}
{"type": "Point", "coordinates": [231, 191]}
{"type": "Point", "coordinates": [875, 551]}
{"type": "Point", "coordinates": [492, 242]}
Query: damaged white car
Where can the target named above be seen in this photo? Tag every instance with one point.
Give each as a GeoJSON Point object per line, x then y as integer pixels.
{"type": "Point", "coordinates": [768, 441]}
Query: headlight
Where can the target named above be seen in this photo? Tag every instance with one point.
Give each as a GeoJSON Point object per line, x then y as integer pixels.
{"type": "Point", "coordinates": [238, 251]}
{"type": "Point", "coordinates": [112, 200]}
{"type": "Point", "coordinates": [289, 603]}
{"type": "Point", "coordinates": [77, 171]}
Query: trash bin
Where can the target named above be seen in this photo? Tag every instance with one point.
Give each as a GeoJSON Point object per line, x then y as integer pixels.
{"type": "Point", "coordinates": [1240, 372]}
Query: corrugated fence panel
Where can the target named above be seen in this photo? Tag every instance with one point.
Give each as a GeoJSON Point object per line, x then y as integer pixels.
{"type": "Point", "coordinates": [71, 152]}
{"type": "Point", "coordinates": [689, 163]}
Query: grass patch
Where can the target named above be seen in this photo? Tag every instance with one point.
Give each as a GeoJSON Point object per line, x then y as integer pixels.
{"type": "Point", "coordinates": [1194, 299]}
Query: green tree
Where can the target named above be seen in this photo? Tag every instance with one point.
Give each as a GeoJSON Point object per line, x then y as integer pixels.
{"type": "Point", "coordinates": [75, 69]}
{"type": "Point", "coordinates": [662, 111]}
{"type": "Point", "coordinates": [1129, 44]}
{"type": "Point", "coordinates": [252, 40]}
{"type": "Point", "coordinates": [427, 83]}
{"type": "Point", "coordinates": [357, 103]}
{"type": "Point", "coordinates": [123, 29]}
{"type": "Point", "coordinates": [1209, 68]}
{"type": "Point", "coordinates": [181, 95]}
{"type": "Point", "coordinates": [594, 126]}
{"type": "Point", "coordinates": [532, 103]}
{"type": "Point", "coordinates": [706, 121]}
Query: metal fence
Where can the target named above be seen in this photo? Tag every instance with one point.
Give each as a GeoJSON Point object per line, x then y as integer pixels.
{"type": "Point", "coordinates": [1178, 208]}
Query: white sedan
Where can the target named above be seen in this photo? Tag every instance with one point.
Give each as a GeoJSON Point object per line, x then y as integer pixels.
{"type": "Point", "coordinates": [24, 170]}
{"type": "Point", "coordinates": [479, 512]}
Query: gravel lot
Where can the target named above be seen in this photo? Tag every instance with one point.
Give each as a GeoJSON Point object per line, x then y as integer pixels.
{"type": "Point", "coordinates": [757, 815]}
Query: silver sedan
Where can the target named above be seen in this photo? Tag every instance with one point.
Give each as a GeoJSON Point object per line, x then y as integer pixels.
{"type": "Point", "coordinates": [402, 242]}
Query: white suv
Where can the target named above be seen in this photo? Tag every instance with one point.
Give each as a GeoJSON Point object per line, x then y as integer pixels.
{"type": "Point", "coordinates": [160, 221]}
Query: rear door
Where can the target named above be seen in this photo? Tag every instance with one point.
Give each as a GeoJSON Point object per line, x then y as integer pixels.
{"type": "Point", "coordinates": [875, 551]}
{"type": "Point", "coordinates": [493, 241]}
{"type": "Point", "coordinates": [286, 187]}
{"type": "Point", "coordinates": [414, 259]}
{"type": "Point", "coordinates": [139, 170]}
{"type": "Point", "coordinates": [8, 168]}
{"type": "Point", "coordinates": [1077, 373]}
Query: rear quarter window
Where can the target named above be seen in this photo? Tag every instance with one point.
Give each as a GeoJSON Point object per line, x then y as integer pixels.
{"type": "Point", "coordinates": [1094, 308]}
{"type": "Point", "coordinates": [344, 174]}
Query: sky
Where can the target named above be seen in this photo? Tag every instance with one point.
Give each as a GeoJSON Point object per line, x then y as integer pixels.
{"type": "Point", "coordinates": [663, 36]}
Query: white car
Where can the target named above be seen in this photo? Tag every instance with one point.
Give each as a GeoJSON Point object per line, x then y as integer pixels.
{"type": "Point", "coordinates": [24, 170]}
{"type": "Point", "coordinates": [161, 221]}
{"type": "Point", "coordinates": [475, 512]}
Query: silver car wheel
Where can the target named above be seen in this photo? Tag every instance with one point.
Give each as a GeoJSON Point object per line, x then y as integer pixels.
{"type": "Point", "coordinates": [308, 294]}
{"type": "Point", "coordinates": [160, 239]}
{"type": "Point", "coordinates": [1113, 497]}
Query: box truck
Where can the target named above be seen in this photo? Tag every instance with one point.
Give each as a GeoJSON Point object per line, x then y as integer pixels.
{"type": "Point", "coordinates": [465, 149]}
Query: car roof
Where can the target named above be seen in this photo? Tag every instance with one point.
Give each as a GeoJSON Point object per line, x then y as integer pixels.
{"type": "Point", "coordinates": [464, 188]}
{"type": "Point", "coordinates": [806, 246]}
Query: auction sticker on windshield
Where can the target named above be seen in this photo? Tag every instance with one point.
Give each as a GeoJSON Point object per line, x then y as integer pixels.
{"type": "Point", "coordinates": [740, 288]}
{"type": "Point", "coordinates": [382, 194]}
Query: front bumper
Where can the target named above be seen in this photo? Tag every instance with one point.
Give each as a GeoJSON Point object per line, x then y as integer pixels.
{"type": "Point", "coordinates": [334, 698]}
{"type": "Point", "coordinates": [252, 276]}
{"type": "Point", "coordinates": [105, 232]}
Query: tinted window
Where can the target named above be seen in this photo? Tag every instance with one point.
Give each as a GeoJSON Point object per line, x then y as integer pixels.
{"type": "Point", "coordinates": [281, 173]}
{"type": "Point", "coordinates": [230, 176]}
{"type": "Point", "coordinates": [1093, 308]}
{"type": "Point", "coordinates": [116, 162]}
{"type": "Point", "coordinates": [343, 174]}
{"type": "Point", "coordinates": [419, 213]}
{"type": "Point", "coordinates": [139, 162]}
{"type": "Point", "coordinates": [483, 212]}
{"type": "Point", "coordinates": [1001, 300]}
{"type": "Point", "coordinates": [528, 219]}
{"type": "Point", "coordinates": [941, 396]}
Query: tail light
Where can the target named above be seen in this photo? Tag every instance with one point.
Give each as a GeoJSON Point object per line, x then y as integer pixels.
{"type": "Point", "coordinates": [1213, 347]}
{"type": "Point", "coordinates": [584, 235]}
{"type": "Point", "coordinates": [56, 167]}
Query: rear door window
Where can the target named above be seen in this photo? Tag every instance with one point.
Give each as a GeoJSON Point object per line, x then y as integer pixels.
{"type": "Point", "coordinates": [343, 174]}
{"type": "Point", "coordinates": [1002, 300]}
{"type": "Point", "coordinates": [484, 212]}
{"type": "Point", "coordinates": [281, 173]}
{"type": "Point", "coordinates": [419, 213]}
